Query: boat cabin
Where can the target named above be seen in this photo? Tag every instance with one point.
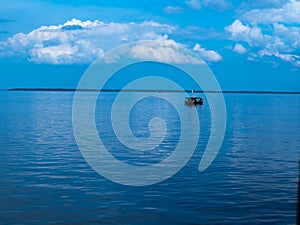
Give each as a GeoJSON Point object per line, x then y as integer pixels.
{"type": "Point", "coordinates": [193, 101]}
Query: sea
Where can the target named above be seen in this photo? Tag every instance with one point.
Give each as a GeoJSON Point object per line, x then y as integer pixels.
{"type": "Point", "coordinates": [45, 178]}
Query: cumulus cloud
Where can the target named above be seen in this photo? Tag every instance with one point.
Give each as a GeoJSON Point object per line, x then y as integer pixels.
{"type": "Point", "coordinates": [194, 4]}
{"type": "Point", "coordinates": [173, 9]}
{"type": "Point", "coordinates": [241, 32]}
{"type": "Point", "coordinates": [207, 55]}
{"type": "Point", "coordinates": [79, 41]}
{"type": "Point", "coordinates": [278, 40]}
{"type": "Point", "coordinates": [240, 49]}
{"type": "Point", "coordinates": [163, 50]}
{"type": "Point", "coordinates": [288, 34]}
{"type": "Point", "coordinates": [237, 28]}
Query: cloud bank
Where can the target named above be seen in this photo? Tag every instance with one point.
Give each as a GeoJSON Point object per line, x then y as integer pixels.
{"type": "Point", "coordinates": [81, 42]}
{"type": "Point", "coordinates": [269, 33]}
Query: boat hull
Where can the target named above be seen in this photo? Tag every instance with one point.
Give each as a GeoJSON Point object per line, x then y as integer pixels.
{"type": "Point", "coordinates": [193, 101]}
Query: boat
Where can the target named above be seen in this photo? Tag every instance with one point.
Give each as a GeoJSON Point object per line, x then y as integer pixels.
{"type": "Point", "coordinates": [193, 101]}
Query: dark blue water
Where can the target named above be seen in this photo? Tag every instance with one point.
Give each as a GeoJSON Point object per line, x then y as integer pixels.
{"type": "Point", "coordinates": [45, 180]}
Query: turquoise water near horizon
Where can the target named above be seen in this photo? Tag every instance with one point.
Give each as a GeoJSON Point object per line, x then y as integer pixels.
{"type": "Point", "coordinates": [45, 180]}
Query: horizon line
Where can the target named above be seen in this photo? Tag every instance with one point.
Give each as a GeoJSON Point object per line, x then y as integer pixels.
{"type": "Point", "coordinates": [151, 90]}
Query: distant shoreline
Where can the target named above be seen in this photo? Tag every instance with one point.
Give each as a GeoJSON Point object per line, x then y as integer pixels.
{"type": "Point", "coordinates": [135, 90]}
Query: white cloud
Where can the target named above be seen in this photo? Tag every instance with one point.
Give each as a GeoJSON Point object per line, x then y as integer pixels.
{"type": "Point", "coordinates": [194, 4]}
{"type": "Point", "coordinates": [291, 58]}
{"type": "Point", "coordinates": [290, 35]}
{"type": "Point", "coordinates": [167, 51]}
{"type": "Point", "coordinates": [241, 32]}
{"type": "Point", "coordinates": [207, 55]}
{"type": "Point", "coordinates": [280, 44]}
{"type": "Point", "coordinates": [79, 41]}
{"type": "Point", "coordinates": [240, 49]}
{"type": "Point", "coordinates": [173, 9]}
{"type": "Point", "coordinates": [237, 29]}
{"type": "Point", "coordinates": [272, 32]}
{"type": "Point", "coordinates": [288, 13]}
{"type": "Point", "coordinates": [162, 50]}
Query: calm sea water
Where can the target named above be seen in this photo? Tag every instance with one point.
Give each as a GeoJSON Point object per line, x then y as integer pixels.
{"type": "Point", "coordinates": [45, 180]}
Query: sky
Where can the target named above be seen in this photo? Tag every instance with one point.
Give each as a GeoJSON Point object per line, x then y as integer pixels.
{"type": "Point", "coordinates": [248, 44]}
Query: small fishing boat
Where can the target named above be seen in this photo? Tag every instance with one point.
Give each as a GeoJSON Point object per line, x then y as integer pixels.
{"type": "Point", "coordinates": [193, 101]}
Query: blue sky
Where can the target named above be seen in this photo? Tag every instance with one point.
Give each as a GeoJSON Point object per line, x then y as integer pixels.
{"type": "Point", "coordinates": [248, 44]}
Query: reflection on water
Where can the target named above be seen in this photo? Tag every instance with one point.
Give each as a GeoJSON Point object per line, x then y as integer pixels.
{"type": "Point", "coordinates": [44, 178]}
